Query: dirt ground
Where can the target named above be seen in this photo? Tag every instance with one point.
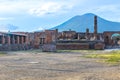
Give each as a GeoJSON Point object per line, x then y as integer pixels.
{"type": "Point", "coordinates": [55, 66]}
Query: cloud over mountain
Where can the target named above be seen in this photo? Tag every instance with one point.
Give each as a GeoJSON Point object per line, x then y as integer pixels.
{"type": "Point", "coordinates": [8, 27]}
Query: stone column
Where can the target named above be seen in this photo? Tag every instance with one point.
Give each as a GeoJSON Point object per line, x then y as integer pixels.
{"type": "Point", "coordinates": [95, 27]}
{"type": "Point", "coordinates": [3, 39]}
{"type": "Point", "coordinates": [78, 36]}
{"type": "Point", "coordinates": [18, 40]}
{"type": "Point", "coordinates": [22, 39]}
{"type": "Point", "coordinates": [13, 39]}
{"type": "Point", "coordinates": [9, 40]}
{"type": "Point", "coordinates": [87, 33]}
{"type": "Point", "coordinates": [56, 35]}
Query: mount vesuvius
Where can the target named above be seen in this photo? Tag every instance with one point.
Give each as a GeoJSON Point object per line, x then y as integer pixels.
{"type": "Point", "coordinates": [80, 23]}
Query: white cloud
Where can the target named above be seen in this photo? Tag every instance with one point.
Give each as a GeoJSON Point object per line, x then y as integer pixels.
{"type": "Point", "coordinates": [8, 27]}
{"type": "Point", "coordinates": [50, 8]}
{"type": "Point", "coordinates": [6, 18]}
{"type": "Point", "coordinates": [37, 7]}
{"type": "Point", "coordinates": [15, 7]}
{"type": "Point", "coordinates": [41, 28]}
{"type": "Point", "coordinates": [108, 8]}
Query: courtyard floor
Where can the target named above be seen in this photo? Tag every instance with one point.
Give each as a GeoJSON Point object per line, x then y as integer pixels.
{"type": "Point", "coordinates": [35, 65]}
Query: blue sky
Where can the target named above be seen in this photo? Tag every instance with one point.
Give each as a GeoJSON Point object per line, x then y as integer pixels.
{"type": "Point", "coordinates": [33, 15]}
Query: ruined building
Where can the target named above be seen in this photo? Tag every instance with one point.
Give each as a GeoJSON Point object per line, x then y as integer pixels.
{"type": "Point", "coordinates": [76, 40]}
{"type": "Point", "coordinates": [13, 41]}
{"type": "Point", "coordinates": [50, 40]}
{"type": "Point", "coordinates": [70, 39]}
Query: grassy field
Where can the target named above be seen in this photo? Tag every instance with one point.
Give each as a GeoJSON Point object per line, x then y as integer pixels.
{"type": "Point", "coordinates": [111, 57]}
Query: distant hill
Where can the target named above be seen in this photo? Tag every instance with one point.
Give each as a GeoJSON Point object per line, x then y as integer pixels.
{"type": "Point", "coordinates": [80, 23]}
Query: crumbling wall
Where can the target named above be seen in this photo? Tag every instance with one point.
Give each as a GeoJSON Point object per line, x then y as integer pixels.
{"type": "Point", "coordinates": [99, 46]}
{"type": "Point", "coordinates": [72, 46]}
{"type": "Point", "coordinates": [14, 47]}
{"type": "Point", "coordinates": [49, 48]}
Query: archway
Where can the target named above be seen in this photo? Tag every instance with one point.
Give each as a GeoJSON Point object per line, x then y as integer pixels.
{"type": "Point", "coordinates": [107, 40]}
{"type": "Point", "coordinates": [116, 38]}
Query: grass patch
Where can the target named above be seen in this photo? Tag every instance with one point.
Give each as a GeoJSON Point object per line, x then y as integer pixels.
{"type": "Point", "coordinates": [76, 51]}
{"type": "Point", "coordinates": [2, 53]}
{"type": "Point", "coordinates": [112, 57]}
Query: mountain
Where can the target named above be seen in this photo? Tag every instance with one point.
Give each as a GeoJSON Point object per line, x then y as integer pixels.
{"type": "Point", "coordinates": [80, 23]}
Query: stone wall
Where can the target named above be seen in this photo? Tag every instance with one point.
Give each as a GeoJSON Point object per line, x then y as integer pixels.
{"type": "Point", "coordinates": [99, 46]}
{"type": "Point", "coordinates": [14, 47]}
{"type": "Point", "coordinates": [79, 44]}
{"type": "Point", "coordinates": [68, 35]}
{"type": "Point", "coordinates": [72, 46]}
{"type": "Point", "coordinates": [107, 37]}
{"type": "Point", "coordinates": [49, 48]}
{"type": "Point", "coordinates": [50, 36]}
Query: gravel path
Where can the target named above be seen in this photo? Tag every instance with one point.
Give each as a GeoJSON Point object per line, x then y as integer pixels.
{"type": "Point", "coordinates": [55, 66]}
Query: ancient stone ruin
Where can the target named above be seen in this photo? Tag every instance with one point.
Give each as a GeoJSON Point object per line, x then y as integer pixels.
{"type": "Point", "coordinates": [52, 40]}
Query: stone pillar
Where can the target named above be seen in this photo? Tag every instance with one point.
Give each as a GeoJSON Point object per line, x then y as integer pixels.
{"type": "Point", "coordinates": [3, 39]}
{"type": "Point", "coordinates": [87, 33]}
{"type": "Point", "coordinates": [56, 34]}
{"type": "Point", "coordinates": [95, 27]}
{"type": "Point", "coordinates": [78, 36]}
{"type": "Point", "coordinates": [9, 40]}
{"type": "Point", "coordinates": [22, 39]}
{"type": "Point", "coordinates": [13, 39]}
{"type": "Point", "coordinates": [18, 40]}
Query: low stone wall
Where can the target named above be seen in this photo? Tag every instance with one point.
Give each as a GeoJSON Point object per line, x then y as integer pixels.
{"type": "Point", "coordinates": [49, 48]}
{"type": "Point", "coordinates": [99, 46]}
{"type": "Point", "coordinates": [14, 47]}
{"type": "Point", "coordinates": [72, 46]}
{"type": "Point", "coordinates": [79, 45]}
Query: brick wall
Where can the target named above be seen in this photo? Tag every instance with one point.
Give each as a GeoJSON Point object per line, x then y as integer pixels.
{"type": "Point", "coordinates": [107, 37]}
{"type": "Point", "coordinates": [99, 46]}
{"type": "Point", "coordinates": [14, 47]}
{"type": "Point", "coordinates": [51, 36]}
{"type": "Point", "coordinates": [49, 48]}
{"type": "Point", "coordinates": [72, 46]}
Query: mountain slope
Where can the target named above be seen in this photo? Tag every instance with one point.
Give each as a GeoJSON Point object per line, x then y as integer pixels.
{"type": "Point", "coordinates": [80, 23]}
